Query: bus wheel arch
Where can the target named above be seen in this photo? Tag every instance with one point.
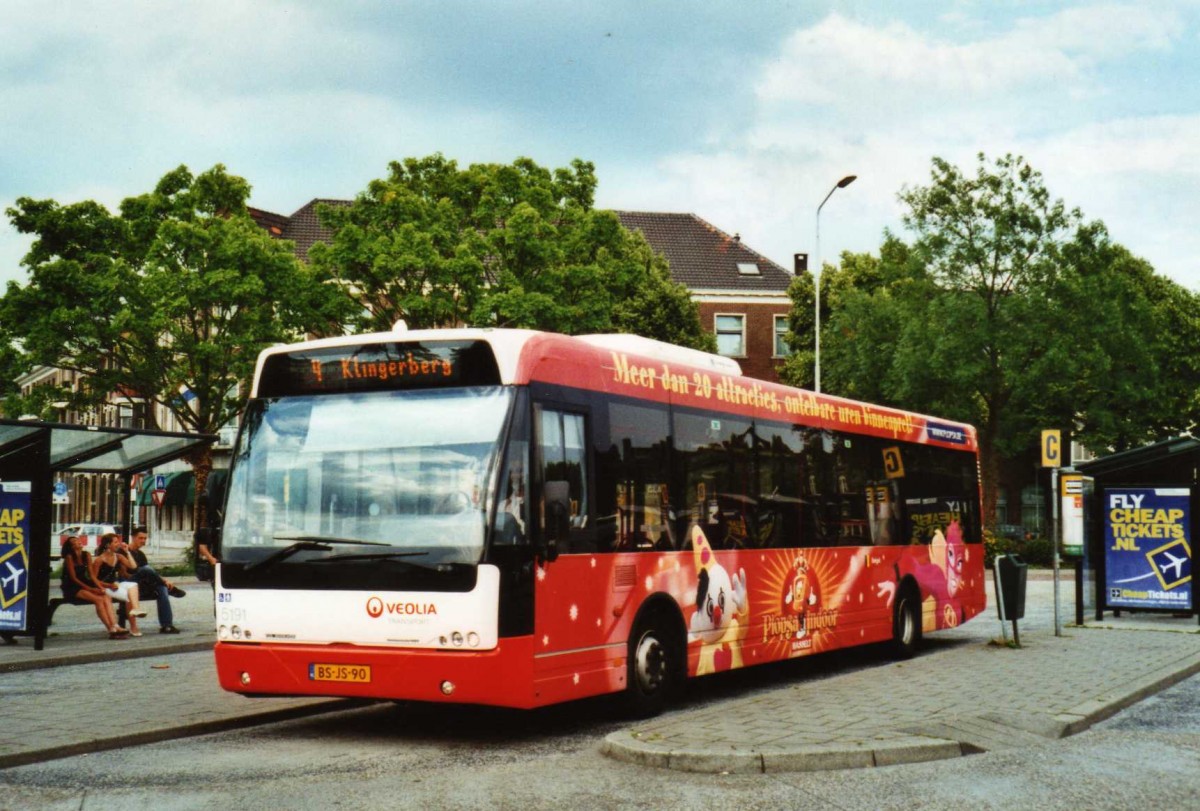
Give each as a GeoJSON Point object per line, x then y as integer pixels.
{"type": "Point", "coordinates": [656, 665]}
{"type": "Point", "coordinates": [906, 619]}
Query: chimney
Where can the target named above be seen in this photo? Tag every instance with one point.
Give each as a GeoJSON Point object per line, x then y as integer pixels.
{"type": "Point", "coordinates": [801, 263]}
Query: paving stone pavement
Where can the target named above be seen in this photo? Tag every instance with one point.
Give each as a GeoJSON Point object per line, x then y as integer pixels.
{"type": "Point", "coordinates": [964, 695]}
{"type": "Point", "coordinates": [86, 693]}
{"type": "Point", "coordinates": [969, 696]}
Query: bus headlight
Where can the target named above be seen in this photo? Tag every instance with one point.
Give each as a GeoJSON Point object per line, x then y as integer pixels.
{"type": "Point", "coordinates": [456, 639]}
{"type": "Point", "coordinates": [473, 639]}
{"type": "Point", "coordinates": [222, 632]}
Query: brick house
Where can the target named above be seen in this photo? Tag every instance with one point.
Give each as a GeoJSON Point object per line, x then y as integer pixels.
{"type": "Point", "coordinates": [742, 295]}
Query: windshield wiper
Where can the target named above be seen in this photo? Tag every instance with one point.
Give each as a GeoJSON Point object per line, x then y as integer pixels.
{"type": "Point", "coordinates": [370, 556]}
{"type": "Point", "coordinates": [395, 557]}
{"type": "Point", "coordinates": [304, 543]}
{"type": "Point", "coordinates": [328, 539]}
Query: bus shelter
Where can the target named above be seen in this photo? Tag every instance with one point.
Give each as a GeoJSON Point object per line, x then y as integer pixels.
{"type": "Point", "coordinates": [32, 454]}
{"type": "Point", "coordinates": [1140, 545]}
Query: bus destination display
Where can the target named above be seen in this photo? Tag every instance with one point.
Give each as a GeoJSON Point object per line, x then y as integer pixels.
{"type": "Point", "coordinates": [379, 367]}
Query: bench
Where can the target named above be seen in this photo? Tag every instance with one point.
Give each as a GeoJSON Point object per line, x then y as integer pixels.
{"type": "Point", "coordinates": [55, 602]}
{"type": "Point", "coordinates": [121, 608]}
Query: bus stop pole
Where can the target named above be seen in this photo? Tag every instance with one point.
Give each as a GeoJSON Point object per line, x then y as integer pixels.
{"type": "Point", "coordinates": [1000, 598]}
{"type": "Point", "coordinates": [1055, 531]}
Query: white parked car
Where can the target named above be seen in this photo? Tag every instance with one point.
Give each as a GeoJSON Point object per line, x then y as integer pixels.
{"type": "Point", "coordinates": [91, 534]}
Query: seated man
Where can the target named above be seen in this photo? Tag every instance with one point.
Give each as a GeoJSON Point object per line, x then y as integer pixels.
{"type": "Point", "coordinates": [151, 583]}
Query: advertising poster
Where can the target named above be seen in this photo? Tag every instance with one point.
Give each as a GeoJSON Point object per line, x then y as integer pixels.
{"type": "Point", "coordinates": [1147, 547]}
{"type": "Point", "coordinates": [14, 554]}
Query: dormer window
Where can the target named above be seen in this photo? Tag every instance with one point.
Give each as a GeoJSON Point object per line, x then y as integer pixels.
{"type": "Point", "coordinates": [748, 269]}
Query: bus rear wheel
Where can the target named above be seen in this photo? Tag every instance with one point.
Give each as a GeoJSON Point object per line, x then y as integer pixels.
{"type": "Point", "coordinates": [906, 624]}
{"type": "Point", "coordinates": [653, 672]}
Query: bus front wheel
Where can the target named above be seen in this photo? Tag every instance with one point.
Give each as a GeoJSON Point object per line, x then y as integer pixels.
{"type": "Point", "coordinates": [906, 624]}
{"type": "Point", "coordinates": [653, 668]}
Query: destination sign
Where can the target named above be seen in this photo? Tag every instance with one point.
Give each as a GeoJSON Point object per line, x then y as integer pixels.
{"type": "Point", "coordinates": [379, 367]}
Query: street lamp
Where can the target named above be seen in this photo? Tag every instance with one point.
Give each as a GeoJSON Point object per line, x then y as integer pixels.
{"type": "Point", "coordinates": [841, 184]}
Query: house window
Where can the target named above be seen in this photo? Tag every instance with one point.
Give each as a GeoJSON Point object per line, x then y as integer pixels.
{"type": "Point", "coordinates": [731, 335]}
{"type": "Point", "coordinates": [782, 350]}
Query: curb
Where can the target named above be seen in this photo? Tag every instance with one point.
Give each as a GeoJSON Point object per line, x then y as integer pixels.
{"type": "Point", "coordinates": [625, 747]}
{"type": "Point", "coordinates": [1083, 716]}
{"type": "Point", "coordinates": [181, 731]}
{"type": "Point", "coordinates": [113, 654]}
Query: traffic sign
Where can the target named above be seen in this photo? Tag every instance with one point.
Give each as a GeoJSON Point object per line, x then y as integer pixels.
{"type": "Point", "coordinates": [158, 496]}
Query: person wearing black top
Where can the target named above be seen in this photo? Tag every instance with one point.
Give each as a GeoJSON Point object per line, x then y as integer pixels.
{"type": "Point", "coordinates": [77, 584]}
{"type": "Point", "coordinates": [151, 582]}
{"type": "Point", "coordinates": [107, 569]}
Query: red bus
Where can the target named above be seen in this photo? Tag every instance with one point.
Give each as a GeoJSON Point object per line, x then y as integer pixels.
{"type": "Point", "coordinates": [517, 518]}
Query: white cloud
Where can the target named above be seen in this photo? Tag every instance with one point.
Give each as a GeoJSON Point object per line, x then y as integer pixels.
{"type": "Point", "coordinates": [844, 97]}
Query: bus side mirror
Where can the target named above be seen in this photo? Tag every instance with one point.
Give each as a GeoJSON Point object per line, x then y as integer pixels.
{"type": "Point", "coordinates": [557, 496]}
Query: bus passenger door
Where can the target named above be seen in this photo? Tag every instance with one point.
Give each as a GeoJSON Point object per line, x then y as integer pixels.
{"type": "Point", "coordinates": [573, 616]}
{"type": "Point", "coordinates": [564, 505]}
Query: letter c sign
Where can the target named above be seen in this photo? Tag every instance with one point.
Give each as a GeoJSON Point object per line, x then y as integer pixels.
{"type": "Point", "coordinates": [893, 465]}
{"type": "Point", "coordinates": [1052, 448]}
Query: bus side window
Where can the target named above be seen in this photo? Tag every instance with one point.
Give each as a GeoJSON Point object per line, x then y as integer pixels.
{"type": "Point", "coordinates": [635, 477]}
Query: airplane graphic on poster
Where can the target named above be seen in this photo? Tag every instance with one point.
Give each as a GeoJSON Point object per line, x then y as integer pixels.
{"type": "Point", "coordinates": [1176, 564]}
{"type": "Point", "coordinates": [13, 579]}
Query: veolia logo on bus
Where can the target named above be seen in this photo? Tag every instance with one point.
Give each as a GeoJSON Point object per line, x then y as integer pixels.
{"type": "Point", "coordinates": [377, 607]}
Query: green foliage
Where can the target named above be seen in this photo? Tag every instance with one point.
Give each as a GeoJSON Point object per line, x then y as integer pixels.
{"type": "Point", "coordinates": [797, 370]}
{"type": "Point", "coordinates": [499, 245]}
{"type": "Point", "coordinates": [1032, 551]}
{"type": "Point", "coordinates": [1011, 313]}
{"type": "Point", "coordinates": [178, 289]}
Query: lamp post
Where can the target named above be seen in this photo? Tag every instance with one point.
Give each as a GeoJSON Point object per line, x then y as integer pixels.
{"type": "Point", "coordinates": [841, 184]}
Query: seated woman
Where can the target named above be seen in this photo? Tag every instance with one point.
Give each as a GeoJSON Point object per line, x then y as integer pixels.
{"type": "Point", "coordinates": [106, 573]}
{"type": "Point", "coordinates": [77, 584]}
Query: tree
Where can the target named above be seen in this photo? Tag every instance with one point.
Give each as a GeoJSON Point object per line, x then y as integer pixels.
{"type": "Point", "coordinates": [499, 245]}
{"type": "Point", "coordinates": [1010, 312]}
{"type": "Point", "coordinates": [1139, 345]}
{"type": "Point", "coordinates": [797, 369]}
{"type": "Point", "coordinates": [858, 274]}
{"type": "Point", "coordinates": [170, 300]}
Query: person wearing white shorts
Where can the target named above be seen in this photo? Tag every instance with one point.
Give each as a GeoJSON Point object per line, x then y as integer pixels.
{"type": "Point", "coordinates": [106, 570]}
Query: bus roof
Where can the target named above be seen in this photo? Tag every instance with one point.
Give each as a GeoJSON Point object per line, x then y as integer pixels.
{"type": "Point", "coordinates": [640, 367]}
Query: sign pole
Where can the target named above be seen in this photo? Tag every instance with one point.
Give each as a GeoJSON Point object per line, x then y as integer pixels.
{"type": "Point", "coordinates": [1054, 534]}
{"type": "Point", "coordinates": [1052, 458]}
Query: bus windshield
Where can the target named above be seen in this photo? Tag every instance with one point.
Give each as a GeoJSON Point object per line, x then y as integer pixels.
{"type": "Point", "coordinates": [405, 470]}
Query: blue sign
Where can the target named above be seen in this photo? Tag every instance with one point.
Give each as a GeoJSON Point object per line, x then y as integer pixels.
{"type": "Point", "coordinates": [160, 482]}
{"type": "Point", "coordinates": [60, 488]}
{"type": "Point", "coordinates": [14, 554]}
{"type": "Point", "coordinates": [1147, 547]}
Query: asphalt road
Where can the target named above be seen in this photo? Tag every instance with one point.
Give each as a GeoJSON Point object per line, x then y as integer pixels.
{"type": "Point", "coordinates": [457, 757]}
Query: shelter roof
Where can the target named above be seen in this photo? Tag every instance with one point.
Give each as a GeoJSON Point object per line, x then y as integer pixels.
{"type": "Point", "coordinates": [1146, 457]}
{"type": "Point", "coordinates": [91, 449]}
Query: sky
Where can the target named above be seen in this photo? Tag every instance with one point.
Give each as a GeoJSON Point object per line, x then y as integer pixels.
{"type": "Point", "coordinates": [745, 113]}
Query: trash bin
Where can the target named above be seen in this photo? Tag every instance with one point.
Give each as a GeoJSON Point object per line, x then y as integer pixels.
{"type": "Point", "coordinates": [1011, 571]}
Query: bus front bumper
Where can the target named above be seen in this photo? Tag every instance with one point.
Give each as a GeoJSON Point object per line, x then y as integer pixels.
{"type": "Point", "coordinates": [501, 677]}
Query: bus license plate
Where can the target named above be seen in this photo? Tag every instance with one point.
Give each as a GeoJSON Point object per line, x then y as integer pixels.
{"type": "Point", "coordinates": [350, 673]}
